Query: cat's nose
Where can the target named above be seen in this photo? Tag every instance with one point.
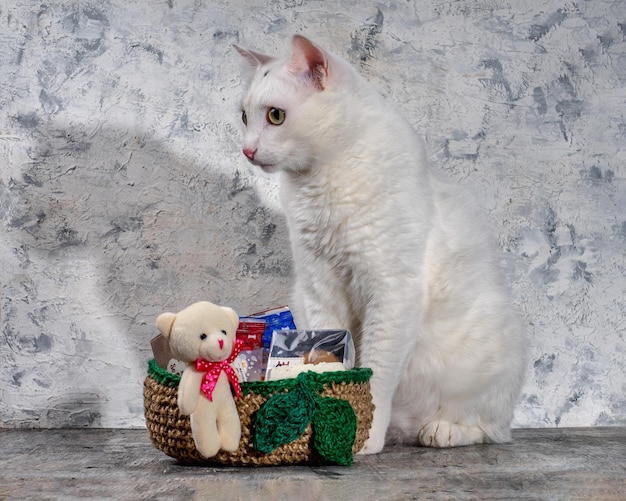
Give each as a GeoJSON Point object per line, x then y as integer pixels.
{"type": "Point", "coordinates": [249, 152]}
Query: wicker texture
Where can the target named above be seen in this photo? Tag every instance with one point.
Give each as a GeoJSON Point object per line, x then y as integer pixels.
{"type": "Point", "coordinates": [171, 432]}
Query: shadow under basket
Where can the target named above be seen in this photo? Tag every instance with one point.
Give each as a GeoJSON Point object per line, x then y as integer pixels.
{"type": "Point", "coordinates": [312, 419]}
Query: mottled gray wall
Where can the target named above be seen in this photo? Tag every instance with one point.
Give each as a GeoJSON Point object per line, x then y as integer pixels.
{"type": "Point", "coordinates": [123, 192]}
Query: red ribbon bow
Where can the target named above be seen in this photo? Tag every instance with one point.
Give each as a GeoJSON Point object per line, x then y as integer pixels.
{"type": "Point", "coordinates": [214, 369]}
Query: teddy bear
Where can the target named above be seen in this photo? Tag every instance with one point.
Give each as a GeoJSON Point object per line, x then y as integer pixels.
{"type": "Point", "coordinates": [203, 336]}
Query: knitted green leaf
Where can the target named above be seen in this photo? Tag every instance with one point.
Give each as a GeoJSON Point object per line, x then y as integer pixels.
{"type": "Point", "coordinates": [283, 418]}
{"type": "Point", "coordinates": [334, 430]}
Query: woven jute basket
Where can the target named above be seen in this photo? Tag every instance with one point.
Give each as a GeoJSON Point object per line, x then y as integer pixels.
{"type": "Point", "coordinates": [170, 431]}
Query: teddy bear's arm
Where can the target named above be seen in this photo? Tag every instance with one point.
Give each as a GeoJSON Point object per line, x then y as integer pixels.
{"type": "Point", "coordinates": [189, 390]}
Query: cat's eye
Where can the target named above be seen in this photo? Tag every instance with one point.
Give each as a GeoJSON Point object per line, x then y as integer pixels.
{"type": "Point", "coordinates": [244, 118]}
{"type": "Point", "coordinates": [224, 332]}
{"type": "Point", "coordinates": [276, 116]}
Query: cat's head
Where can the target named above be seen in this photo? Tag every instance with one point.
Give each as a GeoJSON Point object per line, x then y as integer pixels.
{"type": "Point", "coordinates": [284, 111]}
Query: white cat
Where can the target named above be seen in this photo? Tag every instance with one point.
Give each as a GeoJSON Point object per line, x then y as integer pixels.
{"type": "Point", "coordinates": [385, 247]}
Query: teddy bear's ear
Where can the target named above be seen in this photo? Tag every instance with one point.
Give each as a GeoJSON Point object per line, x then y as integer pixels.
{"type": "Point", "coordinates": [164, 323]}
{"type": "Point", "coordinates": [232, 315]}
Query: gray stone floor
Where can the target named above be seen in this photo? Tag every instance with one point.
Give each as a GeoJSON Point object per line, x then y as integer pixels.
{"type": "Point", "coordinates": [565, 464]}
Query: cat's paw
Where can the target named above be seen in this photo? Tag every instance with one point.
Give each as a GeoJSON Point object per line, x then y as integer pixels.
{"type": "Point", "coordinates": [374, 444]}
{"type": "Point", "coordinates": [445, 434]}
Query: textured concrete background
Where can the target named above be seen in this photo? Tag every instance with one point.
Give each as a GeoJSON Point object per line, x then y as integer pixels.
{"type": "Point", "coordinates": [123, 192]}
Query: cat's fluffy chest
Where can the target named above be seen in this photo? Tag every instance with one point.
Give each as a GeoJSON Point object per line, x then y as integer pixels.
{"type": "Point", "coordinates": [332, 219]}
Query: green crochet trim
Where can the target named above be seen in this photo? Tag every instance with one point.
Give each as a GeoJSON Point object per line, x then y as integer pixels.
{"type": "Point", "coordinates": [266, 388]}
{"type": "Point", "coordinates": [162, 376]}
{"type": "Point", "coordinates": [316, 381]}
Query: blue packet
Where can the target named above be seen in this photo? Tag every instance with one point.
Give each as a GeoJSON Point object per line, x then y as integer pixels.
{"type": "Point", "coordinates": [276, 319]}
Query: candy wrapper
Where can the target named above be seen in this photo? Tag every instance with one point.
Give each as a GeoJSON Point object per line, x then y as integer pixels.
{"type": "Point", "coordinates": [249, 363]}
{"type": "Point", "coordinates": [333, 348]}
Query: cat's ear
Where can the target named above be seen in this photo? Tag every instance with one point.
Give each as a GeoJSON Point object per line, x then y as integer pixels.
{"type": "Point", "coordinates": [255, 58]}
{"type": "Point", "coordinates": [308, 62]}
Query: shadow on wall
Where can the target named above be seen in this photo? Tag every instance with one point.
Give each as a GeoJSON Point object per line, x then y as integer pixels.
{"type": "Point", "coordinates": [104, 231]}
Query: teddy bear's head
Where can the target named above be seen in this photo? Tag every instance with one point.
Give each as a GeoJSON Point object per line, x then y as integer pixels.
{"type": "Point", "coordinates": [202, 330]}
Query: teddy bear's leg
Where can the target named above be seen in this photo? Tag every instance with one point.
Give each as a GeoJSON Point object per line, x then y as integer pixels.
{"type": "Point", "coordinates": [229, 426]}
{"type": "Point", "coordinates": [204, 429]}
